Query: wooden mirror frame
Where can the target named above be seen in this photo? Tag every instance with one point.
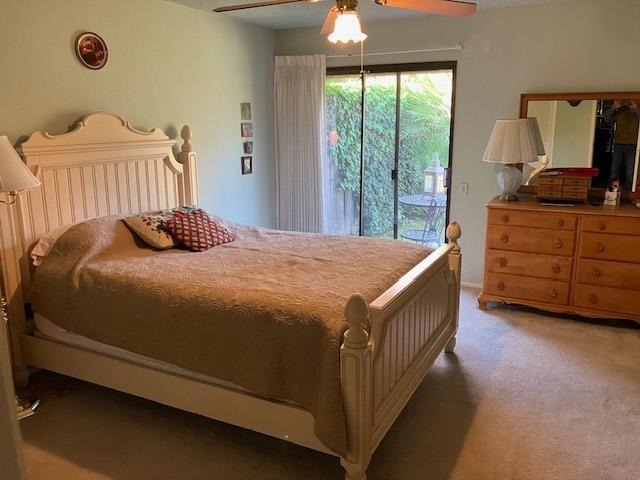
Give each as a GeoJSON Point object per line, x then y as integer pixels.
{"type": "Point", "coordinates": [525, 98]}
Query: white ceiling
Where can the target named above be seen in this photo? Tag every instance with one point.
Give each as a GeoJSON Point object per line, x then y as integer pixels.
{"type": "Point", "coordinates": [307, 15]}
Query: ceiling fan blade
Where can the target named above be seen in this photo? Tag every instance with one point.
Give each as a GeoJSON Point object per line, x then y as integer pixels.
{"type": "Point", "coordinates": [456, 8]}
{"type": "Point", "coordinates": [245, 6]}
{"type": "Point", "coordinates": [330, 21]}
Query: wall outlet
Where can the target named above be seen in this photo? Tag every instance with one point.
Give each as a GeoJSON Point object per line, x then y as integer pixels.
{"type": "Point", "coordinates": [464, 188]}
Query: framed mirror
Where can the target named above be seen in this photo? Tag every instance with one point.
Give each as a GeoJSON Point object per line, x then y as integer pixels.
{"type": "Point", "coordinates": [589, 129]}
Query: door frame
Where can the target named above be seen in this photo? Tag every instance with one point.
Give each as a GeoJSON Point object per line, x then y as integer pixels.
{"type": "Point", "coordinates": [402, 68]}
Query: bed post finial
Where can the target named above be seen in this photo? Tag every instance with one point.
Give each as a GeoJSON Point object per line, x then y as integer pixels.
{"type": "Point", "coordinates": [357, 314]}
{"type": "Point", "coordinates": [453, 234]}
{"type": "Point", "coordinates": [186, 135]}
{"type": "Point", "coordinates": [189, 160]}
{"type": "Point", "coordinates": [455, 264]}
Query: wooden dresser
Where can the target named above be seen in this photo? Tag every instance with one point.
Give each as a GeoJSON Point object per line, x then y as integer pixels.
{"type": "Point", "coordinates": [581, 259]}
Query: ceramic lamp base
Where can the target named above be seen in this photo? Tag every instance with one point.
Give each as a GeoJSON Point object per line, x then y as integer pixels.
{"type": "Point", "coordinates": [509, 181]}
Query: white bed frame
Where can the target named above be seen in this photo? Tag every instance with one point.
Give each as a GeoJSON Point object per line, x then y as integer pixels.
{"type": "Point", "coordinates": [104, 166]}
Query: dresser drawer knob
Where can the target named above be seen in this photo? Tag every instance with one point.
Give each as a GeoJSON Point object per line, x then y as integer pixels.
{"type": "Point", "coordinates": [500, 286]}
{"type": "Point", "coordinates": [504, 237]}
{"type": "Point", "coordinates": [554, 293]}
{"type": "Point", "coordinates": [561, 222]}
{"type": "Point", "coordinates": [599, 248]}
{"type": "Point", "coordinates": [596, 272]}
{"type": "Point", "coordinates": [556, 268]}
{"type": "Point", "coordinates": [593, 298]}
{"type": "Point", "coordinates": [602, 226]}
{"type": "Point", "coordinates": [502, 261]}
{"type": "Point", "coordinates": [505, 218]}
{"type": "Point", "coordinates": [558, 243]}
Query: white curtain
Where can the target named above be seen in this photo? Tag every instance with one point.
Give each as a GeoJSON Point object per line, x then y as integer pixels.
{"type": "Point", "coordinates": [300, 144]}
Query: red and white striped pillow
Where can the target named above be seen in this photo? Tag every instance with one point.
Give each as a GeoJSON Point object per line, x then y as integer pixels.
{"type": "Point", "coordinates": [197, 231]}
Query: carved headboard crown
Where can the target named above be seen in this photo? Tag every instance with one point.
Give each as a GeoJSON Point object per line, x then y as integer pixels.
{"type": "Point", "coordinates": [103, 166]}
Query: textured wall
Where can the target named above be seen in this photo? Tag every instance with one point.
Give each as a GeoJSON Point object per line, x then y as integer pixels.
{"type": "Point", "coordinates": [585, 45]}
{"type": "Point", "coordinates": [168, 65]}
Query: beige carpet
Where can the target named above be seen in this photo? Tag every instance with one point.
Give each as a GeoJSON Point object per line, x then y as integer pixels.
{"type": "Point", "coordinates": [526, 397]}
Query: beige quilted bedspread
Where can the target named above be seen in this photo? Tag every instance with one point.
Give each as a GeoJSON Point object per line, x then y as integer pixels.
{"type": "Point", "coordinates": [264, 312]}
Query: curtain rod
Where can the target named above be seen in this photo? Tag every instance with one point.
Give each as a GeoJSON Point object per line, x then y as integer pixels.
{"type": "Point", "coordinates": [400, 52]}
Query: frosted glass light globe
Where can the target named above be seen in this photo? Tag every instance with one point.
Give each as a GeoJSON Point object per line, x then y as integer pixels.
{"type": "Point", "coordinates": [347, 29]}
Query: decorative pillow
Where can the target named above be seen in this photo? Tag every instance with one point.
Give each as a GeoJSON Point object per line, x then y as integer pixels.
{"type": "Point", "coordinates": [197, 231]}
{"type": "Point", "coordinates": [151, 226]}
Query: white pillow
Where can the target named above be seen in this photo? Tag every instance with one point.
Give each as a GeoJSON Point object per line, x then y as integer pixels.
{"type": "Point", "coordinates": [45, 244]}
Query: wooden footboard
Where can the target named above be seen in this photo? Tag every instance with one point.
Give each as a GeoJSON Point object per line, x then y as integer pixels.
{"type": "Point", "coordinates": [410, 324]}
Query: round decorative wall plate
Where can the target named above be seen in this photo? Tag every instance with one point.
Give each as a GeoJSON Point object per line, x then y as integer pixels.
{"type": "Point", "coordinates": [91, 50]}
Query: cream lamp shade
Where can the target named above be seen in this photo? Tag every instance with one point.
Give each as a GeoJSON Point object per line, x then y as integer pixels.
{"type": "Point", "coordinates": [14, 174]}
{"type": "Point", "coordinates": [514, 141]}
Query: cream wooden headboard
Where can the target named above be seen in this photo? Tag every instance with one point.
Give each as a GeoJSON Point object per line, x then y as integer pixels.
{"type": "Point", "coordinates": [103, 166]}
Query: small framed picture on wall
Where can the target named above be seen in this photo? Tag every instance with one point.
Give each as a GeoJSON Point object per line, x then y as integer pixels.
{"type": "Point", "coordinates": [91, 50]}
{"type": "Point", "coordinates": [247, 129]}
{"type": "Point", "coordinates": [247, 165]}
{"type": "Point", "coordinates": [245, 111]}
{"type": "Point", "coordinates": [247, 147]}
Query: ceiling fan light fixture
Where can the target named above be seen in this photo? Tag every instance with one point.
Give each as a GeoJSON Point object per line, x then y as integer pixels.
{"type": "Point", "coordinates": [347, 28]}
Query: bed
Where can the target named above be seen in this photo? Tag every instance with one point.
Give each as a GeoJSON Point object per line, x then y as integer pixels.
{"type": "Point", "coordinates": [382, 322]}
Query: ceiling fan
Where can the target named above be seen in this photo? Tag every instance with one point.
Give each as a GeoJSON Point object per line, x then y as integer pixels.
{"type": "Point", "coordinates": [343, 20]}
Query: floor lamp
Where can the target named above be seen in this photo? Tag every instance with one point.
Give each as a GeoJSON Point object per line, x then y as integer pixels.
{"type": "Point", "coordinates": [14, 177]}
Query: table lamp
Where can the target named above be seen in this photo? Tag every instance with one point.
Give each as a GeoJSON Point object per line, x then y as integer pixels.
{"type": "Point", "coordinates": [513, 142]}
{"type": "Point", "coordinates": [14, 174]}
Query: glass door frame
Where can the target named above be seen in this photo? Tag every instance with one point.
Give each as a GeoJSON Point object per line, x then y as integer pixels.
{"type": "Point", "coordinates": [399, 68]}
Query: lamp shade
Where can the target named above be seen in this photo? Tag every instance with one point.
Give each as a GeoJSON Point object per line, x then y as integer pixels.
{"type": "Point", "coordinates": [514, 141]}
{"type": "Point", "coordinates": [14, 174]}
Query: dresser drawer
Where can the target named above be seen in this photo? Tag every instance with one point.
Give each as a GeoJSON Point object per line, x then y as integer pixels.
{"type": "Point", "coordinates": [608, 299]}
{"type": "Point", "coordinates": [550, 190]}
{"type": "Point", "coordinates": [614, 274]}
{"type": "Point", "coordinates": [575, 188]}
{"type": "Point", "coordinates": [533, 240]}
{"type": "Point", "coordinates": [534, 265]}
{"type": "Point", "coordinates": [574, 195]}
{"type": "Point", "coordinates": [624, 248]}
{"type": "Point", "coordinates": [546, 194]}
{"type": "Point", "coordinates": [624, 225]}
{"type": "Point", "coordinates": [545, 181]}
{"type": "Point", "coordinates": [523, 218]}
{"type": "Point", "coordinates": [527, 288]}
{"type": "Point", "coordinates": [581, 181]}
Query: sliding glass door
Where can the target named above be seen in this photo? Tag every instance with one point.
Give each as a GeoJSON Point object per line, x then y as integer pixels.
{"type": "Point", "coordinates": [380, 138]}
{"type": "Point", "coordinates": [342, 171]}
{"type": "Point", "coordinates": [397, 154]}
